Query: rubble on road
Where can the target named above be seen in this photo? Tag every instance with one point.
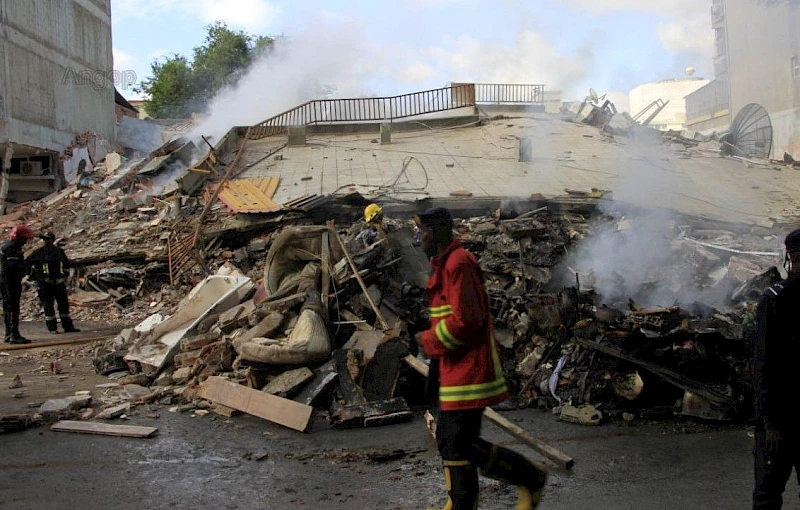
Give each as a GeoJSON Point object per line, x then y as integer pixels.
{"type": "Point", "coordinates": [601, 312]}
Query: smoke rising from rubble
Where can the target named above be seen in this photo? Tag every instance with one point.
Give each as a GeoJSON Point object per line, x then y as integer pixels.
{"type": "Point", "coordinates": [329, 60]}
{"type": "Point", "coordinates": [633, 255]}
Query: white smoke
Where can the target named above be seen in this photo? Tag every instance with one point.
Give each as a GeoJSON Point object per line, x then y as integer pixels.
{"type": "Point", "coordinates": [633, 255]}
{"type": "Point", "coordinates": [330, 60]}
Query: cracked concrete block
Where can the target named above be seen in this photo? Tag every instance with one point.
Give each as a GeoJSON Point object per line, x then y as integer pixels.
{"type": "Point", "coordinates": [62, 406]}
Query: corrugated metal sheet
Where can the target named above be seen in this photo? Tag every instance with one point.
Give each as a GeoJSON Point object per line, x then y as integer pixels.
{"type": "Point", "coordinates": [251, 195]}
{"type": "Point", "coordinates": [308, 202]}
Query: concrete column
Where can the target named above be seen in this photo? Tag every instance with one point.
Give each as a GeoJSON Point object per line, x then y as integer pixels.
{"type": "Point", "coordinates": [386, 133]}
{"type": "Point", "coordinates": [9, 153]}
{"type": "Point", "coordinates": [297, 136]}
{"type": "Point", "coordinates": [525, 150]}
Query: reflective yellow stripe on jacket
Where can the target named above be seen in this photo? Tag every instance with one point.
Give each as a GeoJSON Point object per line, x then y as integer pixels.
{"type": "Point", "coordinates": [477, 391]}
{"type": "Point", "coordinates": [437, 312]}
{"type": "Point", "coordinates": [442, 333]}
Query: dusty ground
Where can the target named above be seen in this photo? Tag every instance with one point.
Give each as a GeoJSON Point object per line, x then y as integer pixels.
{"type": "Point", "coordinates": [243, 462]}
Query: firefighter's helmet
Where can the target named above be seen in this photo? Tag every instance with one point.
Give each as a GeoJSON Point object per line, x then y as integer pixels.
{"type": "Point", "coordinates": [373, 213]}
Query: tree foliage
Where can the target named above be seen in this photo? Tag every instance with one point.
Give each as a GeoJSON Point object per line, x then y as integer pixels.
{"type": "Point", "coordinates": [178, 87]}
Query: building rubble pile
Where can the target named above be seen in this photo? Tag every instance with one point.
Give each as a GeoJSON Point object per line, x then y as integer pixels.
{"type": "Point", "coordinates": [274, 305]}
{"type": "Point", "coordinates": [564, 347]}
{"type": "Point", "coordinates": [589, 356]}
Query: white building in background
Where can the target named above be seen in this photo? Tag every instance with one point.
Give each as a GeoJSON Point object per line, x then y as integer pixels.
{"type": "Point", "coordinates": [757, 60]}
{"type": "Point", "coordinates": [673, 116]}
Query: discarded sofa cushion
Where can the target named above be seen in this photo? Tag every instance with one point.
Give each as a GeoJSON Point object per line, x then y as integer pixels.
{"type": "Point", "coordinates": [308, 341]}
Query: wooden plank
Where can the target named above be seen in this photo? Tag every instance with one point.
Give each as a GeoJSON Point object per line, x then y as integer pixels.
{"type": "Point", "coordinates": [348, 363]}
{"type": "Point", "coordinates": [103, 429]}
{"type": "Point", "coordinates": [560, 458]}
{"type": "Point", "coordinates": [371, 414]}
{"type": "Point", "coordinates": [266, 327]}
{"type": "Point", "coordinates": [289, 382]}
{"type": "Point", "coordinates": [381, 374]}
{"type": "Point", "coordinates": [278, 410]}
{"type": "Point", "coordinates": [324, 377]}
{"type": "Point", "coordinates": [326, 269]}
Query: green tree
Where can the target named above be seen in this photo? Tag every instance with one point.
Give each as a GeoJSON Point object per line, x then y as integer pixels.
{"type": "Point", "coordinates": [178, 88]}
{"type": "Point", "coordinates": [171, 88]}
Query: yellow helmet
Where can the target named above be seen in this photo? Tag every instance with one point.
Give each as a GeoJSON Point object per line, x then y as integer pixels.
{"type": "Point", "coordinates": [373, 212]}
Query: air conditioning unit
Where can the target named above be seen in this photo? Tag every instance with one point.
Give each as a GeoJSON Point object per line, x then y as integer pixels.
{"type": "Point", "coordinates": [30, 168]}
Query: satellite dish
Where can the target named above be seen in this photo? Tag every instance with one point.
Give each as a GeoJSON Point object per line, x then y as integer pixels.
{"type": "Point", "coordinates": [751, 131]}
{"type": "Point", "coordinates": [593, 95]}
{"type": "Point", "coordinates": [690, 71]}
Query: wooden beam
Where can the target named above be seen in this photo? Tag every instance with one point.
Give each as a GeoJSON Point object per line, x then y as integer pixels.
{"type": "Point", "coordinates": [326, 268]}
{"type": "Point", "coordinates": [382, 372]}
{"type": "Point", "coordinates": [324, 377]}
{"type": "Point", "coordinates": [561, 459]}
{"type": "Point", "coordinates": [278, 410]}
{"type": "Point", "coordinates": [347, 359]}
{"type": "Point", "coordinates": [103, 429]}
{"type": "Point", "coordinates": [370, 414]}
{"type": "Point", "coordinates": [668, 375]}
{"type": "Point", "coordinates": [54, 343]}
{"type": "Point", "coordinates": [361, 282]}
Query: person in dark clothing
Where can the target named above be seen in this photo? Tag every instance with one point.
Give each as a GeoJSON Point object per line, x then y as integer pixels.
{"type": "Point", "coordinates": [49, 267]}
{"type": "Point", "coordinates": [777, 350]}
{"type": "Point", "coordinates": [12, 270]}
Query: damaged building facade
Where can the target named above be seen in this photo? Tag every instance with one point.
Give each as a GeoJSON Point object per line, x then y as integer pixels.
{"type": "Point", "coordinates": [56, 86]}
{"type": "Point", "coordinates": [756, 61]}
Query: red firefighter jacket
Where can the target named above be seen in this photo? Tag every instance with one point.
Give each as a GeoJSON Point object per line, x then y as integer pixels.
{"type": "Point", "coordinates": [460, 337]}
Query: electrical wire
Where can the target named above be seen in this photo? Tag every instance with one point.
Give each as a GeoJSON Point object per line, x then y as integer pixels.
{"type": "Point", "coordinates": [392, 188]}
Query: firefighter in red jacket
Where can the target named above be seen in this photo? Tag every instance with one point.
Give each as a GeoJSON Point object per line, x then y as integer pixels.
{"type": "Point", "coordinates": [470, 374]}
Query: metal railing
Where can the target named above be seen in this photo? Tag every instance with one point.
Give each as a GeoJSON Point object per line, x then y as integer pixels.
{"type": "Point", "coordinates": [509, 93]}
{"type": "Point", "coordinates": [372, 109]}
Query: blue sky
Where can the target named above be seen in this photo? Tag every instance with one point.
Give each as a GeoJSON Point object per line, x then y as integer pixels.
{"type": "Point", "coordinates": [369, 47]}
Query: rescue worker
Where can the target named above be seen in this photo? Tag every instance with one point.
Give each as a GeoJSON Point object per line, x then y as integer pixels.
{"type": "Point", "coordinates": [49, 267]}
{"type": "Point", "coordinates": [777, 349]}
{"type": "Point", "coordinates": [372, 230]}
{"type": "Point", "coordinates": [12, 270]}
{"type": "Point", "coordinates": [466, 361]}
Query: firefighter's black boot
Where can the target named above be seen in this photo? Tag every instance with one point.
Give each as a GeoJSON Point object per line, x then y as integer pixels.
{"type": "Point", "coordinates": [8, 325]}
{"type": "Point", "coordinates": [461, 483]}
{"type": "Point", "coordinates": [52, 324]}
{"type": "Point", "coordinates": [510, 467]}
{"type": "Point", "coordinates": [66, 323]}
{"type": "Point", "coordinates": [17, 338]}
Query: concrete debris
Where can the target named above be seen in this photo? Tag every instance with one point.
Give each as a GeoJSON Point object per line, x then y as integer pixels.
{"type": "Point", "coordinates": [309, 305]}
{"type": "Point", "coordinates": [60, 407]}
{"type": "Point", "coordinates": [114, 412]}
{"type": "Point", "coordinates": [16, 383]}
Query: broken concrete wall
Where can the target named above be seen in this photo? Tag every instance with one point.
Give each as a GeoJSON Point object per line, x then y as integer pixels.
{"type": "Point", "coordinates": [59, 84]}
{"type": "Point", "coordinates": [77, 164]}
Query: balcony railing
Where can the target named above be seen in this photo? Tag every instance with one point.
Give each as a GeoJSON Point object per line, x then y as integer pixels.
{"type": "Point", "coordinates": [509, 93]}
{"type": "Point", "coordinates": [387, 109]}
{"type": "Point", "coordinates": [369, 109]}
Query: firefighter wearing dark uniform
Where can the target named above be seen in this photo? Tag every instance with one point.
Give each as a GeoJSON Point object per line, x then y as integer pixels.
{"type": "Point", "coordinates": [470, 376]}
{"type": "Point", "coordinates": [777, 350]}
{"type": "Point", "coordinates": [12, 270]}
{"type": "Point", "coordinates": [49, 267]}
